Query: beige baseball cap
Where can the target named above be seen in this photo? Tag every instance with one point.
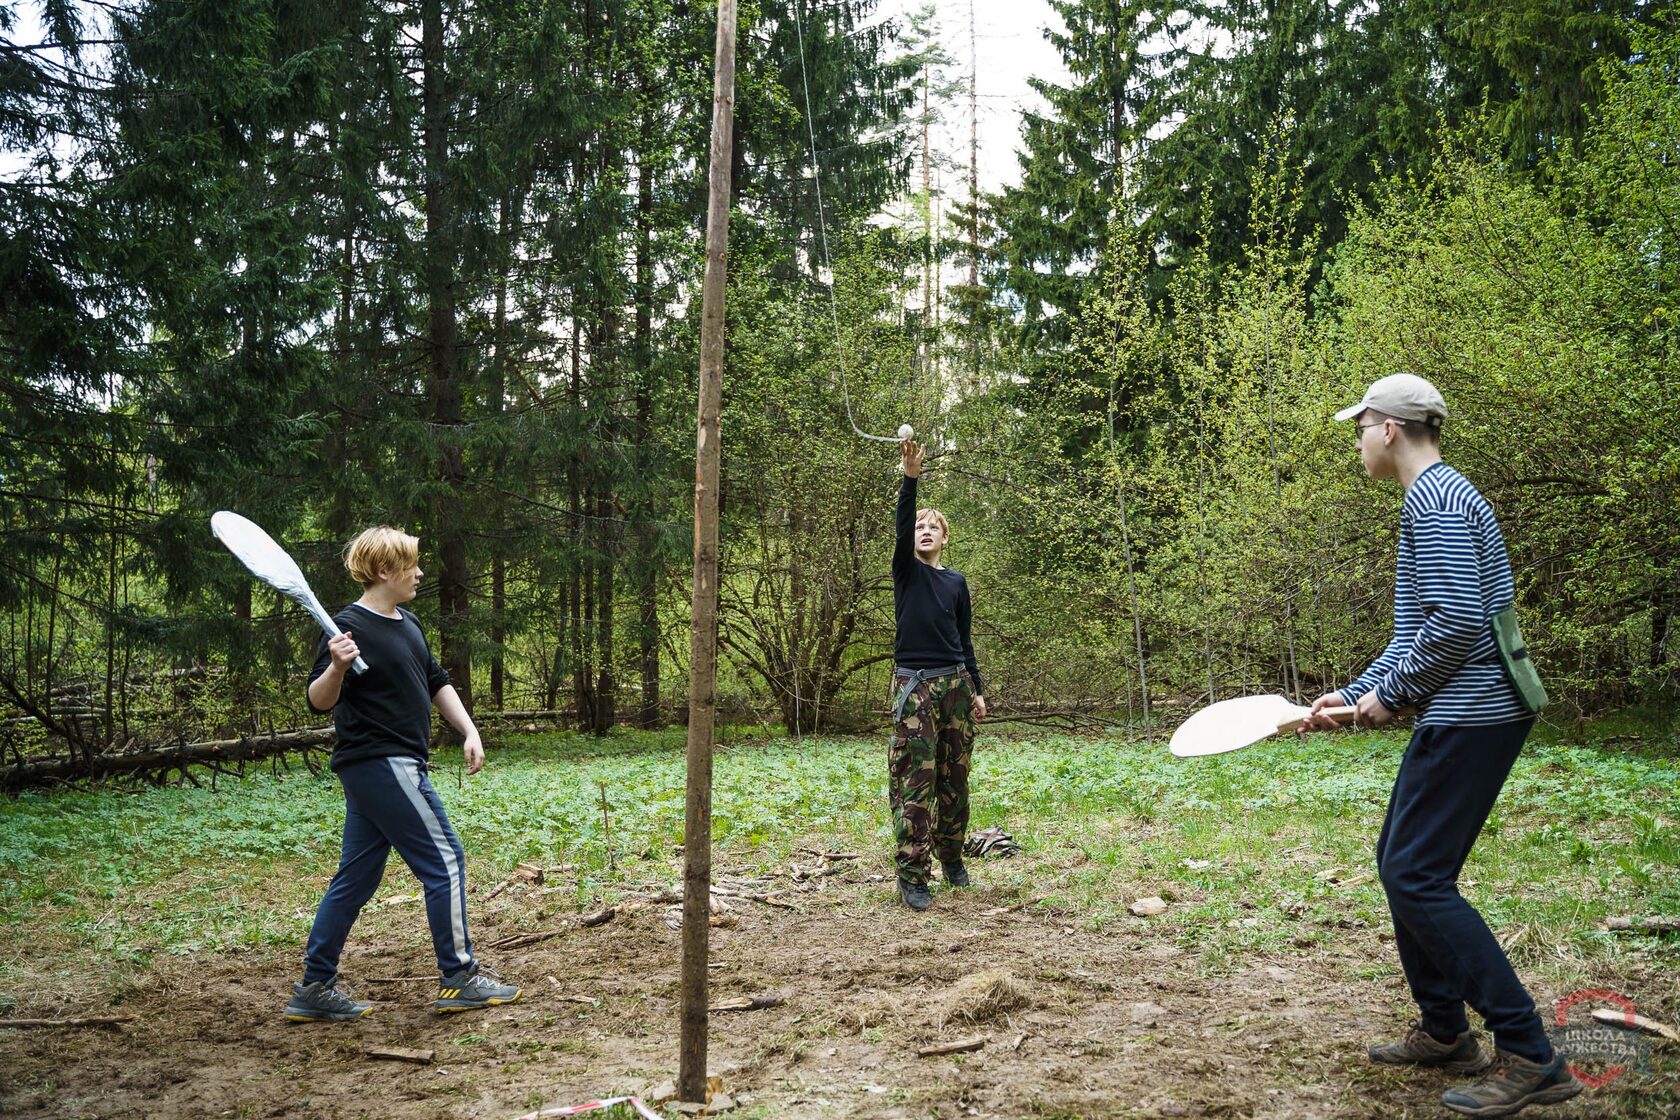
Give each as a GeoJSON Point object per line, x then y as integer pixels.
{"type": "Point", "coordinates": [1404, 396]}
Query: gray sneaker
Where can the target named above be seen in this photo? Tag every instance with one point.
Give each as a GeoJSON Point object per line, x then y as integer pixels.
{"type": "Point", "coordinates": [323, 1002]}
{"type": "Point", "coordinates": [1513, 1084]}
{"type": "Point", "coordinates": [472, 988]}
{"type": "Point", "coordinates": [1420, 1048]}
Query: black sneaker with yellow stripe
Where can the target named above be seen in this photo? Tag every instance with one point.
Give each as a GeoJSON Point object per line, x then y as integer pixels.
{"type": "Point", "coordinates": [472, 988]}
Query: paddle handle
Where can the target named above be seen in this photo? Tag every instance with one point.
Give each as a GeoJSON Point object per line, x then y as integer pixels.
{"type": "Point", "coordinates": [1340, 715]}
{"type": "Point", "coordinates": [357, 666]}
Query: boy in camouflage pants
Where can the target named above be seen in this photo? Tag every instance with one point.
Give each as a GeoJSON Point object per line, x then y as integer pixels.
{"type": "Point", "coordinates": [937, 697]}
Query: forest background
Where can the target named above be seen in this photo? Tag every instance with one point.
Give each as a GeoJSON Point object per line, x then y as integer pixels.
{"type": "Point", "coordinates": [332, 263]}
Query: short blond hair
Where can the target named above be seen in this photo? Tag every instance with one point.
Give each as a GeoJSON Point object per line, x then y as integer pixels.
{"type": "Point", "coordinates": [379, 550]}
{"type": "Point", "coordinates": [944, 526]}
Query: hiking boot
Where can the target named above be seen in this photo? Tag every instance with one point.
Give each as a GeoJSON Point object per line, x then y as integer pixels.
{"type": "Point", "coordinates": [956, 875]}
{"type": "Point", "coordinates": [472, 988]}
{"type": "Point", "coordinates": [915, 895]}
{"type": "Point", "coordinates": [323, 1002]}
{"type": "Point", "coordinates": [1514, 1083]}
{"type": "Point", "coordinates": [1420, 1048]}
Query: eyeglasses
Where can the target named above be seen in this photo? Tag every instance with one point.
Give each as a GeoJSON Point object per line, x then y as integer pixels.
{"type": "Point", "coordinates": [1378, 424]}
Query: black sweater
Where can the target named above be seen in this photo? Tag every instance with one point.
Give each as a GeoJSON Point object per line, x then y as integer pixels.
{"type": "Point", "coordinates": [931, 604]}
{"type": "Point", "coordinates": [387, 710]}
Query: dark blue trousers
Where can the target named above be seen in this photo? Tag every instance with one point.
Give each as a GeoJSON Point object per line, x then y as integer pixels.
{"type": "Point", "coordinates": [389, 803]}
{"type": "Point", "coordinates": [1448, 782]}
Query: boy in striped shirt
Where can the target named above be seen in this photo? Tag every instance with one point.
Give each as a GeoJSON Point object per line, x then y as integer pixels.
{"type": "Point", "coordinates": [1453, 575]}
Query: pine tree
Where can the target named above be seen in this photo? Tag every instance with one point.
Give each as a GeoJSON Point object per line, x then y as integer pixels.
{"type": "Point", "coordinates": [1077, 159]}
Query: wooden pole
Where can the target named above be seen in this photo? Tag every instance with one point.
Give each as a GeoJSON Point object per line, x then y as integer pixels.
{"type": "Point", "coordinates": [702, 699]}
{"type": "Point", "coordinates": [973, 200]}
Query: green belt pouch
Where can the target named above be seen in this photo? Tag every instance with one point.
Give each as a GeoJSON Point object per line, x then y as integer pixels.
{"type": "Point", "coordinates": [1513, 653]}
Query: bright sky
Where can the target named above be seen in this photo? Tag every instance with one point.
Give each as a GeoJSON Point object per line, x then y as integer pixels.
{"type": "Point", "coordinates": [1010, 47]}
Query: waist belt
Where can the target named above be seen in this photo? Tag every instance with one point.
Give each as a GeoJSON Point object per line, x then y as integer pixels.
{"type": "Point", "coordinates": [914, 677]}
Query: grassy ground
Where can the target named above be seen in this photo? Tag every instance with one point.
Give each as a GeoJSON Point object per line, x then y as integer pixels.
{"type": "Point", "coordinates": [1259, 854]}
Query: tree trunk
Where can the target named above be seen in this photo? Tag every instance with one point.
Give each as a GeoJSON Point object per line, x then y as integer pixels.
{"type": "Point", "coordinates": [648, 591]}
{"type": "Point", "coordinates": [444, 357]}
{"type": "Point", "coordinates": [577, 577]}
{"type": "Point", "coordinates": [605, 684]}
{"type": "Point", "coordinates": [497, 402]}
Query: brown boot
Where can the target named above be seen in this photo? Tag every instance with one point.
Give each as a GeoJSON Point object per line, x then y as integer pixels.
{"type": "Point", "coordinates": [1420, 1048]}
{"type": "Point", "coordinates": [1514, 1083]}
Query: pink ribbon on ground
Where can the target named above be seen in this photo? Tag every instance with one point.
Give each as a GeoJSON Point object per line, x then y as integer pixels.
{"type": "Point", "coordinates": [591, 1106]}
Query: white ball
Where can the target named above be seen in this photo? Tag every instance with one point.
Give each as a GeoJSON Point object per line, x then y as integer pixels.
{"type": "Point", "coordinates": [905, 431]}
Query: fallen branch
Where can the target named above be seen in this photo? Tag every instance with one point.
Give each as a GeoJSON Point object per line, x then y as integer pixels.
{"type": "Point", "coordinates": [664, 897]}
{"type": "Point", "coordinates": [161, 760]}
{"type": "Point", "coordinates": [1013, 907]}
{"type": "Point", "coordinates": [767, 897]}
{"type": "Point", "coordinates": [524, 873]}
{"type": "Point", "coordinates": [1643, 925]}
{"type": "Point", "coordinates": [1631, 1022]}
{"type": "Point", "coordinates": [800, 874]}
{"type": "Point", "coordinates": [961, 1046]}
{"type": "Point", "coordinates": [748, 1003]}
{"type": "Point", "coordinates": [830, 855]}
{"type": "Point", "coordinates": [398, 1054]}
{"type": "Point", "coordinates": [88, 1021]}
{"type": "Point", "coordinates": [520, 940]}
{"type": "Point", "coordinates": [598, 918]}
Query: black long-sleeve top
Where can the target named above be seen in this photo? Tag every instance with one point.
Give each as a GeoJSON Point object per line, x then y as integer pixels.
{"type": "Point", "coordinates": [387, 710]}
{"type": "Point", "coordinates": [931, 604]}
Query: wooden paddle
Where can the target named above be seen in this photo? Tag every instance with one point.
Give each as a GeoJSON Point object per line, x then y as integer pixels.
{"type": "Point", "coordinates": [1231, 725]}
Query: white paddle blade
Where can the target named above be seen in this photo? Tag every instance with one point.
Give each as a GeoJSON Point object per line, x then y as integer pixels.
{"type": "Point", "coordinates": [258, 552]}
{"type": "Point", "coordinates": [273, 565]}
{"type": "Point", "coordinates": [1231, 725]}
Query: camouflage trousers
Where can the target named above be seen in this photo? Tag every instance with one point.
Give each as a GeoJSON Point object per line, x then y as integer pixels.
{"type": "Point", "coordinates": [927, 772]}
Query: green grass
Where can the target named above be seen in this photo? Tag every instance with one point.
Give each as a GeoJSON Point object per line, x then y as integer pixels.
{"type": "Point", "coordinates": [1581, 832]}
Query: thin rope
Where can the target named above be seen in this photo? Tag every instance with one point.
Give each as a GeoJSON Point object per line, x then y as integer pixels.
{"type": "Point", "coordinates": [822, 232]}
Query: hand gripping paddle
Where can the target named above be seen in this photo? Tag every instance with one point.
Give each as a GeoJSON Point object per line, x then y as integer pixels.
{"type": "Point", "coordinates": [269, 562]}
{"type": "Point", "coordinates": [1231, 725]}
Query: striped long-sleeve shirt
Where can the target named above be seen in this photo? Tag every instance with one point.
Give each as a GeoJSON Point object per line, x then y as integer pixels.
{"type": "Point", "coordinates": [1453, 575]}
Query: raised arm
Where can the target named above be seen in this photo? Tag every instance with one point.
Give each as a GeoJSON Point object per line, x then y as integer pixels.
{"type": "Point", "coordinates": [904, 546]}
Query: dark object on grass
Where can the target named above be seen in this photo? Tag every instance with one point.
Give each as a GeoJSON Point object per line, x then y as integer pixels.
{"type": "Point", "coordinates": [993, 841]}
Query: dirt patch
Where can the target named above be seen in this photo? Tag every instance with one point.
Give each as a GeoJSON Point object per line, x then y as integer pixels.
{"type": "Point", "coordinates": [1126, 1020]}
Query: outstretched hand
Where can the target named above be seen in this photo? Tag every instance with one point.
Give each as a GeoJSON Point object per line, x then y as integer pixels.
{"type": "Point", "coordinates": [912, 453]}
